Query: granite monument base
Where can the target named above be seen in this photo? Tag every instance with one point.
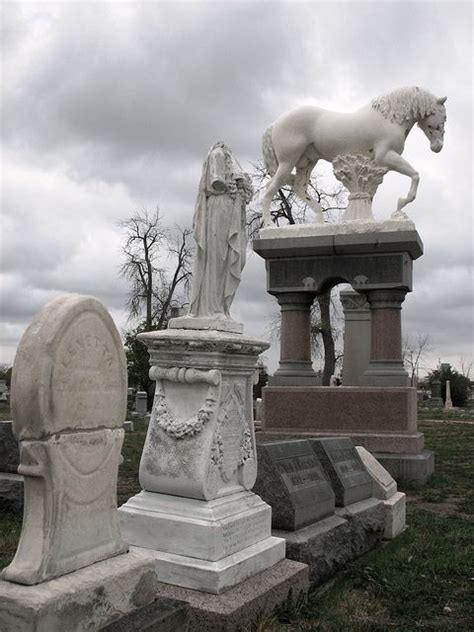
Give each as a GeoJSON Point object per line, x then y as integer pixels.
{"type": "Point", "coordinates": [412, 468]}
{"type": "Point", "coordinates": [382, 419]}
{"type": "Point", "coordinates": [203, 545]}
{"type": "Point", "coordinates": [367, 522]}
{"type": "Point", "coordinates": [324, 546]}
{"type": "Point", "coordinates": [92, 598]}
{"type": "Point", "coordinates": [244, 605]}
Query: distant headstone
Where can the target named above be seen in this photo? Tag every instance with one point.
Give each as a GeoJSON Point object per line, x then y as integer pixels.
{"type": "Point", "coordinates": [68, 402]}
{"type": "Point", "coordinates": [128, 426]}
{"type": "Point", "coordinates": [290, 479]}
{"type": "Point", "coordinates": [141, 398]}
{"type": "Point", "coordinates": [448, 404]}
{"type": "Point", "coordinates": [344, 468]}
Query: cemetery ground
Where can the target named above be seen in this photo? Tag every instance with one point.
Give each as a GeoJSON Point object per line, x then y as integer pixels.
{"type": "Point", "coordinates": [424, 579]}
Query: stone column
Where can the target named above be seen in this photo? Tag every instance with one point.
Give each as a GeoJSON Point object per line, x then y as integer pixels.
{"type": "Point", "coordinates": [295, 367]}
{"type": "Point", "coordinates": [386, 364]}
{"type": "Point", "coordinates": [356, 336]}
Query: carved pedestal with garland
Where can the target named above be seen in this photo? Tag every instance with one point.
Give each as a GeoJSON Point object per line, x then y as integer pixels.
{"type": "Point", "coordinates": [196, 514]}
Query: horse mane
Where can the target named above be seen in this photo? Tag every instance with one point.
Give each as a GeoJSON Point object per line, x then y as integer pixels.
{"type": "Point", "coordinates": [405, 104]}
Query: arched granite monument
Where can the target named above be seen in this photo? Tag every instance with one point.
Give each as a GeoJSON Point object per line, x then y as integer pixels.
{"type": "Point", "coordinates": [375, 258]}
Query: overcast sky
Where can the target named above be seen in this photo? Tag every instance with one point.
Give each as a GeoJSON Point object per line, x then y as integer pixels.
{"type": "Point", "coordinates": [109, 108]}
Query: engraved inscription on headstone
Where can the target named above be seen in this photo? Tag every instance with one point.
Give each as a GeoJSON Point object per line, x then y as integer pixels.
{"type": "Point", "coordinates": [349, 478]}
{"type": "Point", "coordinates": [290, 479]}
{"type": "Point", "coordinates": [238, 535]}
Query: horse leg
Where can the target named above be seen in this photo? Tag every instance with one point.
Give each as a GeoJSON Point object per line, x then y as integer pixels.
{"type": "Point", "coordinates": [393, 161]}
{"type": "Point", "coordinates": [282, 177]}
{"type": "Point", "coordinates": [300, 187]}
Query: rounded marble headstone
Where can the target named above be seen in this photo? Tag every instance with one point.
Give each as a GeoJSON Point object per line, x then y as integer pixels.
{"type": "Point", "coordinates": [70, 371]}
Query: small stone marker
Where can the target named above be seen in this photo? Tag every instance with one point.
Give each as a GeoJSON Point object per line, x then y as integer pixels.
{"type": "Point", "coordinates": [141, 398]}
{"type": "Point", "coordinates": [385, 488]}
{"type": "Point", "coordinates": [344, 468]}
{"type": "Point", "coordinates": [290, 479]}
{"type": "Point", "coordinates": [69, 393]}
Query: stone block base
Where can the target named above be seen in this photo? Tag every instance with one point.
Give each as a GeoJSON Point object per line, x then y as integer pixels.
{"type": "Point", "coordinates": [395, 515]}
{"type": "Point", "coordinates": [88, 599]}
{"type": "Point", "coordinates": [324, 546]}
{"type": "Point", "coordinates": [380, 419]}
{"type": "Point", "coordinates": [374, 442]}
{"type": "Point", "coordinates": [367, 522]}
{"type": "Point", "coordinates": [216, 577]}
{"type": "Point", "coordinates": [241, 607]}
{"type": "Point", "coordinates": [11, 492]}
{"type": "Point", "coordinates": [413, 468]}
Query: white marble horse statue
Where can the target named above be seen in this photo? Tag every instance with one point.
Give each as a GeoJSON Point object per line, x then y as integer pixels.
{"type": "Point", "coordinates": [301, 137]}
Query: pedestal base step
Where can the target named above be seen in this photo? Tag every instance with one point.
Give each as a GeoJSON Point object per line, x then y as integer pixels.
{"type": "Point", "coordinates": [215, 577]}
{"type": "Point", "coordinates": [92, 598]}
{"type": "Point", "coordinates": [413, 468]}
{"type": "Point", "coordinates": [242, 606]}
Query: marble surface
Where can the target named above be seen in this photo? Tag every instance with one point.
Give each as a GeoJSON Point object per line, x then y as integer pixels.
{"type": "Point", "coordinates": [70, 371]}
{"type": "Point", "coordinates": [344, 228]}
{"type": "Point", "coordinates": [68, 402]}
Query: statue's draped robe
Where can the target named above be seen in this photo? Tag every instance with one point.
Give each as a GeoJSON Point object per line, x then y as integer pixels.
{"type": "Point", "coordinates": [219, 232]}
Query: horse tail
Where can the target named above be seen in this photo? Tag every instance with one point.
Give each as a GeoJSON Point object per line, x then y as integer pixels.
{"type": "Point", "coordinates": [269, 156]}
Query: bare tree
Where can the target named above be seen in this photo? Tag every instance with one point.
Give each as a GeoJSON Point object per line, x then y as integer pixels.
{"type": "Point", "coordinates": [289, 208]}
{"type": "Point", "coordinates": [157, 264]}
{"type": "Point", "coordinates": [414, 350]}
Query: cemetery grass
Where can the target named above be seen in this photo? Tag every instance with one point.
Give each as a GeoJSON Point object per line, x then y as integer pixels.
{"type": "Point", "coordinates": [422, 580]}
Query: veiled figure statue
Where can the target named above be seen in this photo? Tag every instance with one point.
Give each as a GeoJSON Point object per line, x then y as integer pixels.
{"type": "Point", "coordinates": [376, 132]}
{"type": "Point", "coordinates": [219, 232]}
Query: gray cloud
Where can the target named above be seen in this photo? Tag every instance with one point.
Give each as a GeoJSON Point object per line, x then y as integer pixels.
{"type": "Point", "coordinates": [111, 107]}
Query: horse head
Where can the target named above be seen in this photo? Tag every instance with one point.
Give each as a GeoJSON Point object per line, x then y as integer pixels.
{"type": "Point", "coordinates": [433, 125]}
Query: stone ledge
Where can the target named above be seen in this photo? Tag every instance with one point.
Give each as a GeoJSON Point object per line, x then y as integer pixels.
{"type": "Point", "coordinates": [243, 605]}
{"type": "Point", "coordinates": [347, 238]}
{"type": "Point", "coordinates": [87, 599]}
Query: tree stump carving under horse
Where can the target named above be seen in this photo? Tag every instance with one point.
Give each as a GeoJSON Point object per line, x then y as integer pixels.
{"type": "Point", "coordinates": [378, 130]}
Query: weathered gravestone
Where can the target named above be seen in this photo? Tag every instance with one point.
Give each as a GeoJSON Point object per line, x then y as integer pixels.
{"type": "Point", "coordinates": [349, 478]}
{"type": "Point", "coordinates": [385, 488]}
{"type": "Point", "coordinates": [68, 402]}
{"type": "Point", "coordinates": [290, 479]}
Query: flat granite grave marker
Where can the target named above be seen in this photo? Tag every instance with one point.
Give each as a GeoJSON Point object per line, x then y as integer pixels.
{"type": "Point", "coordinates": [350, 480]}
{"type": "Point", "coordinates": [291, 479]}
